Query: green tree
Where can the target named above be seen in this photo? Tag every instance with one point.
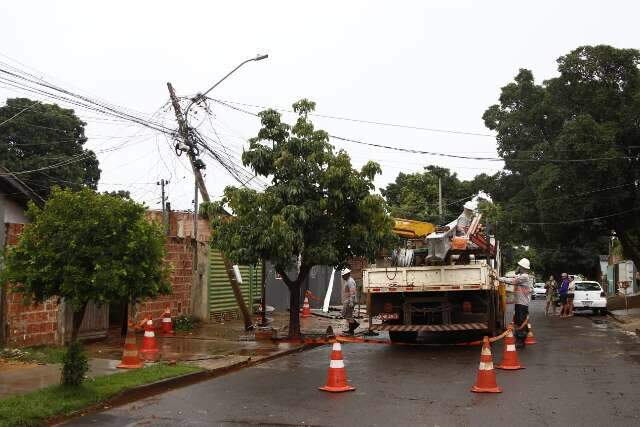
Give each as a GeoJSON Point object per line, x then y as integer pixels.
{"type": "Point", "coordinates": [547, 132]}
{"type": "Point", "coordinates": [48, 140]}
{"type": "Point", "coordinates": [84, 246]}
{"type": "Point", "coordinates": [318, 210]}
{"type": "Point", "coordinates": [415, 195]}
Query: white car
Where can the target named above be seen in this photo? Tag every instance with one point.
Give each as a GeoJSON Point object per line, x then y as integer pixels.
{"type": "Point", "coordinates": [589, 295]}
{"type": "Point", "coordinates": [538, 291]}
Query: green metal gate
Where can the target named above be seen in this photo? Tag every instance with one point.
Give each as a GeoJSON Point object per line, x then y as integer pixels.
{"type": "Point", "coordinates": [222, 303]}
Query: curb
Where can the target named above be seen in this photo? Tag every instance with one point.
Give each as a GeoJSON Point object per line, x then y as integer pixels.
{"type": "Point", "coordinates": [614, 317]}
{"type": "Point", "coordinates": [162, 386]}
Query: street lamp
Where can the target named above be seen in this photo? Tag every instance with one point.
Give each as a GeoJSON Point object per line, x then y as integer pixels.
{"type": "Point", "coordinates": [201, 96]}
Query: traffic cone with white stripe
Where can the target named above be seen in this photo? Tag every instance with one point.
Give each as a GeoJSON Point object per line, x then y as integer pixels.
{"type": "Point", "coordinates": [337, 378]}
{"type": "Point", "coordinates": [530, 338]}
{"type": "Point", "coordinates": [130, 358]}
{"type": "Point", "coordinates": [510, 356]}
{"type": "Point", "coordinates": [167, 322]}
{"type": "Point", "coordinates": [149, 351]}
{"type": "Point", "coordinates": [306, 310]}
{"type": "Point", "coordinates": [486, 381]}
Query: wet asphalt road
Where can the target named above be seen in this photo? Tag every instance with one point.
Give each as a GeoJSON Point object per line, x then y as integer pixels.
{"type": "Point", "coordinates": [582, 372]}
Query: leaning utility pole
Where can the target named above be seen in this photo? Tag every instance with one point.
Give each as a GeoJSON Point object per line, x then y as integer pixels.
{"type": "Point", "coordinates": [184, 134]}
{"type": "Point", "coordinates": [183, 129]}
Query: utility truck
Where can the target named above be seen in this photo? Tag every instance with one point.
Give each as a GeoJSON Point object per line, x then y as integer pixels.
{"type": "Point", "coordinates": [440, 283]}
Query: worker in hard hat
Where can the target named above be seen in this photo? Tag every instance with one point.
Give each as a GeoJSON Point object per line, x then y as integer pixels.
{"type": "Point", "coordinates": [522, 290]}
{"type": "Point", "coordinates": [466, 217]}
{"type": "Point", "coordinates": [348, 301]}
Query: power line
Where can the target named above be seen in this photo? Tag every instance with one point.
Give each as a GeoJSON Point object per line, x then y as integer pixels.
{"type": "Point", "coordinates": [448, 155]}
{"type": "Point", "coordinates": [370, 122]}
{"type": "Point", "coordinates": [577, 221]}
{"type": "Point", "coordinates": [18, 113]}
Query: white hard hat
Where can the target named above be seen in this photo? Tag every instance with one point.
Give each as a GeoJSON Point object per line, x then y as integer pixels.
{"type": "Point", "coordinates": [345, 272]}
{"type": "Point", "coordinates": [470, 205]}
{"type": "Point", "coordinates": [524, 263]}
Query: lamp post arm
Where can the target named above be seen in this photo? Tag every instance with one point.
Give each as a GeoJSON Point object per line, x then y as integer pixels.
{"type": "Point", "coordinates": [202, 95]}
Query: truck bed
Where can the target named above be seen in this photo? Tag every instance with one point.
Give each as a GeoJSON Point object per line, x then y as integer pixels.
{"type": "Point", "coordinates": [428, 278]}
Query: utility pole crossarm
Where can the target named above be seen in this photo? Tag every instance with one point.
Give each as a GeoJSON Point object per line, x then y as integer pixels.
{"type": "Point", "coordinates": [183, 129]}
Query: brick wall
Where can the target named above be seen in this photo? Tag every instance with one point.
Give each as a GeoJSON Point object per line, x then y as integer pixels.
{"type": "Point", "coordinates": [37, 324]}
{"type": "Point", "coordinates": [13, 232]}
{"type": "Point", "coordinates": [357, 265]}
{"type": "Point", "coordinates": [180, 256]}
{"type": "Point", "coordinates": [27, 325]}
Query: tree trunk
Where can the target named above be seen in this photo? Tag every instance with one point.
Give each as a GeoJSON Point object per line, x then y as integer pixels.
{"type": "Point", "coordinates": [294, 299]}
{"type": "Point", "coordinates": [124, 312]}
{"type": "Point", "coordinates": [294, 310]}
{"type": "Point", "coordinates": [77, 321]}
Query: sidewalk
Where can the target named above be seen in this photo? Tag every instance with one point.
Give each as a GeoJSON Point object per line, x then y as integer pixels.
{"type": "Point", "coordinates": [629, 319]}
{"type": "Point", "coordinates": [211, 346]}
{"type": "Point", "coordinates": [18, 377]}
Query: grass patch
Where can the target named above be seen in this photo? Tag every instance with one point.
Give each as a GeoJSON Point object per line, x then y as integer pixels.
{"type": "Point", "coordinates": [40, 354]}
{"type": "Point", "coordinates": [33, 409]}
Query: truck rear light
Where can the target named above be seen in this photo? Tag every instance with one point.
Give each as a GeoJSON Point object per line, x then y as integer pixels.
{"type": "Point", "coordinates": [466, 307]}
{"type": "Point", "coordinates": [602, 294]}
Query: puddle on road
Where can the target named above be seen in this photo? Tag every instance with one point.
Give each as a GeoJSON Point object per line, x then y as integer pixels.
{"type": "Point", "coordinates": [600, 323]}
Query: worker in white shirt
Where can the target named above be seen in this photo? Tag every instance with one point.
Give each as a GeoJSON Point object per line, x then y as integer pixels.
{"type": "Point", "coordinates": [349, 301]}
{"type": "Point", "coordinates": [522, 292]}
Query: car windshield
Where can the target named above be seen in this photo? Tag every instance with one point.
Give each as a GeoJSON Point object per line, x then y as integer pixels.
{"type": "Point", "coordinates": [587, 286]}
{"type": "Point", "coordinates": [539, 285]}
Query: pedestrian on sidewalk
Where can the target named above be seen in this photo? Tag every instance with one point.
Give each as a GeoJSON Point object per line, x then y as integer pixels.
{"type": "Point", "coordinates": [349, 301]}
{"type": "Point", "coordinates": [552, 295]}
{"type": "Point", "coordinates": [570, 294]}
{"type": "Point", "coordinates": [522, 297]}
{"type": "Point", "coordinates": [563, 291]}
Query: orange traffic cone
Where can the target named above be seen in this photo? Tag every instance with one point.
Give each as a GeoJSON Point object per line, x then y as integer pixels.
{"type": "Point", "coordinates": [510, 356]}
{"type": "Point", "coordinates": [167, 323]}
{"type": "Point", "coordinates": [486, 381]}
{"type": "Point", "coordinates": [149, 349]}
{"type": "Point", "coordinates": [306, 310]}
{"type": "Point", "coordinates": [337, 378]}
{"type": "Point", "coordinates": [530, 338]}
{"type": "Point", "coordinates": [130, 358]}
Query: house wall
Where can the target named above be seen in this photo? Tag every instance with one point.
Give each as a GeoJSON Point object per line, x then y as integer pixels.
{"type": "Point", "coordinates": [40, 324]}
{"type": "Point", "coordinates": [27, 325]}
{"type": "Point", "coordinates": [180, 257]}
{"type": "Point", "coordinates": [13, 212]}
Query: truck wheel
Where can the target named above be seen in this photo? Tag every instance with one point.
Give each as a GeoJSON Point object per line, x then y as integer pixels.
{"type": "Point", "coordinates": [403, 336]}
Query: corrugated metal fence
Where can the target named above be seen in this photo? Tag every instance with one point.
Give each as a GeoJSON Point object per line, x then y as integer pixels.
{"type": "Point", "coordinates": [222, 303]}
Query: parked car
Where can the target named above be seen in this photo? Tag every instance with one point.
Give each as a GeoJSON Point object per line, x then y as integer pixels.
{"type": "Point", "coordinates": [538, 291]}
{"type": "Point", "coordinates": [589, 295]}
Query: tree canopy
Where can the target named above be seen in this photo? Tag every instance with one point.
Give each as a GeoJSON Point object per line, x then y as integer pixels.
{"type": "Point", "coordinates": [84, 246]}
{"type": "Point", "coordinates": [318, 210]}
{"type": "Point", "coordinates": [415, 195]}
{"type": "Point", "coordinates": [49, 141]}
{"type": "Point", "coordinates": [571, 156]}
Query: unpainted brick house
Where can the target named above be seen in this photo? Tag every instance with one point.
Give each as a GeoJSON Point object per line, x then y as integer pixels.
{"type": "Point", "coordinates": [199, 280]}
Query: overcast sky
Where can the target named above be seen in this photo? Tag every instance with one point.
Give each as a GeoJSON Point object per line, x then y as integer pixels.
{"type": "Point", "coordinates": [430, 64]}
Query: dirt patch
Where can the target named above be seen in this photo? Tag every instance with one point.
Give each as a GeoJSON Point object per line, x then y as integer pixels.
{"type": "Point", "coordinates": [10, 365]}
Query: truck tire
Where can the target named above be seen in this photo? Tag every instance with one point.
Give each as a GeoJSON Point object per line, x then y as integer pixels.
{"type": "Point", "coordinates": [403, 336]}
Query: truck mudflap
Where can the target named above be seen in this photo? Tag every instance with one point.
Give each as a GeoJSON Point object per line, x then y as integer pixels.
{"type": "Point", "coordinates": [432, 328]}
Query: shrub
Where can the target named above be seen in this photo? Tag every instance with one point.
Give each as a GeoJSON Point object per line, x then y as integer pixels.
{"type": "Point", "coordinates": [74, 365]}
{"type": "Point", "coordinates": [184, 323]}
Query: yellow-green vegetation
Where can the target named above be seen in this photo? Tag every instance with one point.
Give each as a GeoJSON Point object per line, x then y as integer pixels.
{"type": "Point", "coordinates": [33, 409]}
